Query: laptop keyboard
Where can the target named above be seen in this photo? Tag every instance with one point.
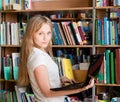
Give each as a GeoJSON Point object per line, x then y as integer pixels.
{"type": "Point", "coordinates": [69, 87]}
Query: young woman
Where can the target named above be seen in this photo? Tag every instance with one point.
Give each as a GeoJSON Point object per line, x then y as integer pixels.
{"type": "Point", "coordinates": [37, 66]}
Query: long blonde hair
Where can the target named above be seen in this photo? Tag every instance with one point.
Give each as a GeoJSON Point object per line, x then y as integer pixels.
{"type": "Point", "coordinates": [33, 26]}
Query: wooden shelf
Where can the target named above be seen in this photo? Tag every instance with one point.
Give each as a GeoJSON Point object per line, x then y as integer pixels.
{"type": "Point", "coordinates": [10, 46]}
{"type": "Point", "coordinates": [107, 84]}
{"type": "Point", "coordinates": [107, 46]}
{"type": "Point", "coordinates": [11, 80]}
{"type": "Point", "coordinates": [62, 19]}
{"type": "Point", "coordinates": [108, 7]}
{"type": "Point", "coordinates": [62, 46]}
{"type": "Point", "coordinates": [72, 46]}
{"type": "Point", "coordinates": [48, 10]}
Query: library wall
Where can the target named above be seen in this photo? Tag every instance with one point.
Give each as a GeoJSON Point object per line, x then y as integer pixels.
{"type": "Point", "coordinates": [56, 4]}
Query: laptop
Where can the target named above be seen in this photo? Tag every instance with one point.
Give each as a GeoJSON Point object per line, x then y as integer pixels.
{"type": "Point", "coordinates": [96, 61]}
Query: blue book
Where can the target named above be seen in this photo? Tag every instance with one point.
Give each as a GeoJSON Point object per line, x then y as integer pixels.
{"type": "Point", "coordinates": [117, 2]}
{"type": "Point", "coordinates": [111, 33]}
{"type": "Point", "coordinates": [55, 39]}
{"type": "Point", "coordinates": [58, 34]}
{"type": "Point", "coordinates": [99, 32]}
{"type": "Point", "coordinates": [116, 32]}
{"type": "Point", "coordinates": [106, 30]}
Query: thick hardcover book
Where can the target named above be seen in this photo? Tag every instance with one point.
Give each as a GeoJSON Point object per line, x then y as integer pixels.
{"type": "Point", "coordinates": [75, 27]}
{"type": "Point", "coordinates": [67, 68]}
{"type": "Point", "coordinates": [74, 34]}
{"type": "Point", "coordinates": [117, 66]}
{"type": "Point", "coordinates": [82, 33]}
{"type": "Point", "coordinates": [95, 63]}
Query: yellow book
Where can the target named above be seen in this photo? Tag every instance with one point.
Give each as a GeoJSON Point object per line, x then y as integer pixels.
{"type": "Point", "coordinates": [67, 68]}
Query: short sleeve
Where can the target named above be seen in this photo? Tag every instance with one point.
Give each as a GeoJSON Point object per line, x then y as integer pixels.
{"type": "Point", "coordinates": [35, 59]}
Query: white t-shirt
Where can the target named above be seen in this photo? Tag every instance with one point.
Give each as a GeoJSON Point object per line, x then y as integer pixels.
{"type": "Point", "coordinates": [36, 58]}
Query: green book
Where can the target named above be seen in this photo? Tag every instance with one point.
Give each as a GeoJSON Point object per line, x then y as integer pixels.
{"type": "Point", "coordinates": [7, 72]}
{"type": "Point", "coordinates": [112, 67]}
{"type": "Point", "coordinates": [1, 4]}
{"type": "Point", "coordinates": [107, 57]}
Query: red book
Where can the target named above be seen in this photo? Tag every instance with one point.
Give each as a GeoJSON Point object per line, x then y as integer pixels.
{"type": "Point", "coordinates": [117, 66]}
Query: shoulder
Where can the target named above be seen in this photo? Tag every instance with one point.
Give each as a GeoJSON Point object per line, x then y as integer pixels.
{"type": "Point", "coordinates": [37, 57]}
{"type": "Point", "coordinates": [36, 53]}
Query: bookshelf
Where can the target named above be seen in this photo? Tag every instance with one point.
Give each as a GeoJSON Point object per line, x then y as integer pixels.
{"type": "Point", "coordinates": [57, 10]}
{"type": "Point", "coordinates": [111, 11]}
{"type": "Point", "coordinates": [57, 7]}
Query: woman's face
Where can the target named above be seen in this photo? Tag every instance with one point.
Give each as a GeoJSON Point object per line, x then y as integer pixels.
{"type": "Point", "coordinates": [43, 36]}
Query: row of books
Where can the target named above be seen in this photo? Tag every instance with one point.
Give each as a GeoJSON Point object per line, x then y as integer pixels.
{"type": "Point", "coordinates": [76, 55]}
{"type": "Point", "coordinates": [72, 33]}
{"type": "Point", "coordinates": [106, 32]}
{"type": "Point", "coordinates": [64, 33]}
{"type": "Point", "coordinates": [101, 3]}
{"type": "Point", "coordinates": [114, 13]}
{"type": "Point", "coordinates": [23, 95]}
{"type": "Point", "coordinates": [15, 4]}
{"type": "Point", "coordinates": [9, 69]}
{"type": "Point", "coordinates": [109, 69]}
{"type": "Point", "coordinates": [12, 33]}
{"type": "Point", "coordinates": [81, 14]}
{"type": "Point", "coordinates": [66, 68]}
{"type": "Point", "coordinates": [8, 96]}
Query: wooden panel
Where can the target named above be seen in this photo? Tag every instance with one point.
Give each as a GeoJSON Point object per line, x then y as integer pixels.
{"type": "Point", "coordinates": [100, 89]}
{"type": "Point", "coordinates": [101, 14]}
{"type": "Point", "coordinates": [6, 51]}
{"type": "Point", "coordinates": [56, 4]}
{"type": "Point", "coordinates": [11, 17]}
{"type": "Point", "coordinates": [100, 50]}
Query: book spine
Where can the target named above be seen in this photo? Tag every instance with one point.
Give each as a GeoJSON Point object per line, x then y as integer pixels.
{"type": "Point", "coordinates": [107, 53]}
{"type": "Point", "coordinates": [112, 66]}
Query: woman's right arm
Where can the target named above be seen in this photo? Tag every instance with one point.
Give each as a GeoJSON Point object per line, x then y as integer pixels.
{"type": "Point", "coordinates": [41, 75]}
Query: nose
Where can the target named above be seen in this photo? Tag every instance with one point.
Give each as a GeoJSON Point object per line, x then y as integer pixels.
{"type": "Point", "coordinates": [45, 36]}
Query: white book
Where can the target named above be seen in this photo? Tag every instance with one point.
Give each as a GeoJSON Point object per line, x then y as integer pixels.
{"type": "Point", "coordinates": [15, 62]}
{"type": "Point", "coordinates": [27, 4]}
{"type": "Point", "coordinates": [15, 58]}
{"type": "Point", "coordinates": [19, 91]}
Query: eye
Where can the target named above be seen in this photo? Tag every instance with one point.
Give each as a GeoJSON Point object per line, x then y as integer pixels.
{"type": "Point", "coordinates": [48, 33]}
{"type": "Point", "coordinates": [40, 33]}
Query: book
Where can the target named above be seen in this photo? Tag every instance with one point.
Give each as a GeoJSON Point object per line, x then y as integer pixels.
{"type": "Point", "coordinates": [15, 62]}
{"type": "Point", "coordinates": [19, 92]}
{"type": "Point", "coordinates": [62, 35]}
{"type": "Point", "coordinates": [67, 68]}
{"type": "Point", "coordinates": [64, 26]}
{"type": "Point", "coordinates": [58, 33]}
{"type": "Point", "coordinates": [95, 63]}
{"type": "Point", "coordinates": [117, 65]}
{"type": "Point", "coordinates": [1, 4]}
{"type": "Point", "coordinates": [79, 25]}
{"type": "Point", "coordinates": [30, 97]}
{"type": "Point", "coordinates": [27, 4]}
{"type": "Point", "coordinates": [107, 57]}
{"type": "Point", "coordinates": [75, 27]}
{"type": "Point", "coordinates": [69, 32]}
{"type": "Point", "coordinates": [101, 73]}
{"type": "Point", "coordinates": [112, 68]}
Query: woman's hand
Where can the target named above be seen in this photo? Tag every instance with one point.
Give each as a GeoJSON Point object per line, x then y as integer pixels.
{"type": "Point", "coordinates": [91, 83]}
{"type": "Point", "coordinates": [66, 80]}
